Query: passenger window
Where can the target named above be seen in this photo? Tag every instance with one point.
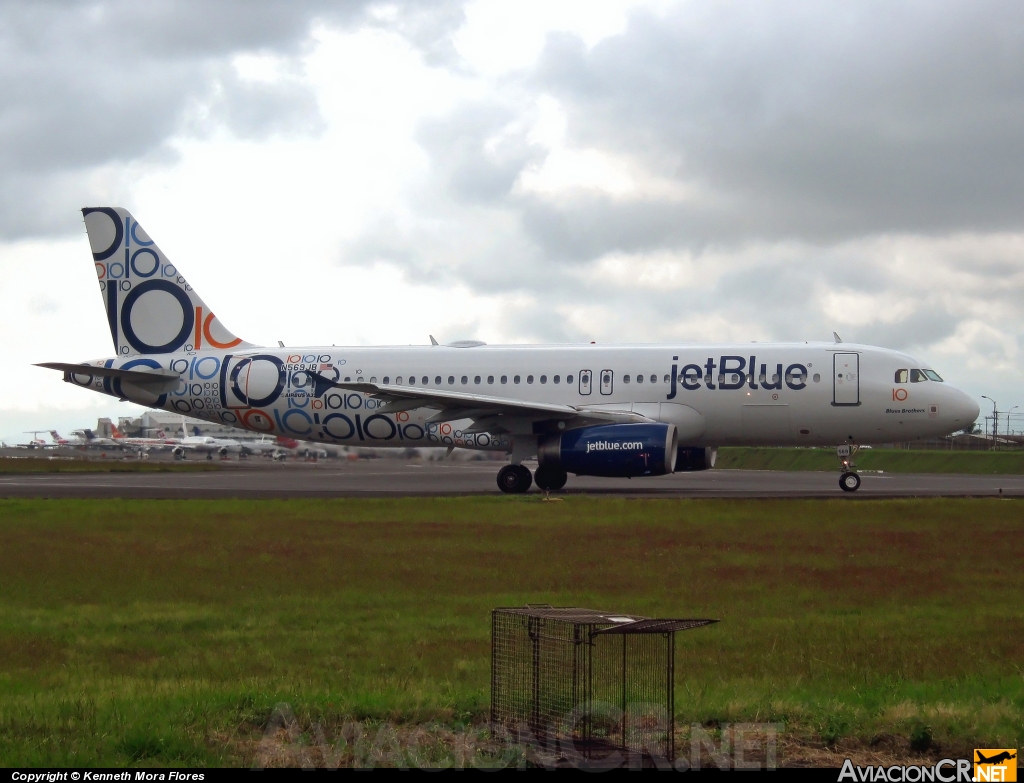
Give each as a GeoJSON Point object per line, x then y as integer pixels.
{"type": "Point", "coordinates": [543, 379]}
{"type": "Point", "coordinates": [625, 379]}
{"type": "Point", "coordinates": [639, 379]}
{"type": "Point", "coordinates": [504, 379]}
{"type": "Point", "coordinates": [654, 379]}
{"type": "Point", "coordinates": [529, 379]}
{"type": "Point", "coordinates": [668, 378]}
{"type": "Point", "coordinates": [557, 379]}
{"type": "Point", "coordinates": [901, 376]}
{"type": "Point", "coordinates": [426, 380]}
{"type": "Point", "coordinates": [932, 375]}
{"type": "Point", "coordinates": [916, 376]}
{"type": "Point", "coordinates": [437, 380]}
{"type": "Point", "coordinates": [451, 380]}
{"type": "Point", "coordinates": [373, 379]}
{"type": "Point", "coordinates": [476, 379]}
{"type": "Point", "coordinates": [465, 380]}
{"type": "Point", "coordinates": [568, 379]}
{"type": "Point", "coordinates": [516, 379]}
{"type": "Point", "coordinates": [348, 379]}
{"type": "Point", "coordinates": [490, 379]}
{"type": "Point", "coordinates": [387, 380]}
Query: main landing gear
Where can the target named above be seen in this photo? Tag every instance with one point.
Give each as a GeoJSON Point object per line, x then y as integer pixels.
{"type": "Point", "coordinates": [550, 477]}
{"type": "Point", "coordinates": [516, 479]}
{"type": "Point", "coordinates": [849, 481]}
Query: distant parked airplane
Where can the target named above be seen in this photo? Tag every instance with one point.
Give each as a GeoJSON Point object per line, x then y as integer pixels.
{"type": "Point", "coordinates": [82, 439]}
{"type": "Point", "coordinates": [622, 410]}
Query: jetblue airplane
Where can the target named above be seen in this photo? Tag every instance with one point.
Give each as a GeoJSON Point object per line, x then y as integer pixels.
{"type": "Point", "coordinates": [590, 410]}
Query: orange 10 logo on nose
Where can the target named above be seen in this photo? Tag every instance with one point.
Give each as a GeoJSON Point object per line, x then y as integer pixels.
{"type": "Point", "coordinates": [899, 395]}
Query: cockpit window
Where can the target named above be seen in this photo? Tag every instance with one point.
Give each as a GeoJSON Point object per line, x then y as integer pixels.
{"type": "Point", "coordinates": [916, 376]}
{"type": "Point", "coordinates": [932, 375]}
{"type": "Point", "coordinates": [901, 376]}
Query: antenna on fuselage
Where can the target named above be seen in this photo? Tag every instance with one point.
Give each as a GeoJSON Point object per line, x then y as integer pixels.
{"type": "Point", "coordinates": [837, 337]}
{"type": "Point", "coordinates": [432, 340]}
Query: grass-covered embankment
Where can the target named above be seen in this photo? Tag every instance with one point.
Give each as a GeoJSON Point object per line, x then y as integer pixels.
{"type": "Point", "coordinates": [163, 632]}
{"type": "Point", "coordinates": [887, 460]}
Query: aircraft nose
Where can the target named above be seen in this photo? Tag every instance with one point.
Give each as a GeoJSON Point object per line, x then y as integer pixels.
{"type": "Point", "coordinates": [964, 408]}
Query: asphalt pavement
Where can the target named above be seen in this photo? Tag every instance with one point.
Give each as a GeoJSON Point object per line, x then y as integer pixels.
{"type": "Point", "coordinates": [392, 477]}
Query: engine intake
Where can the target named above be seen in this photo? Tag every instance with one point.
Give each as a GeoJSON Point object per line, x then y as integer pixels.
{"type": "Point", "coordinates": [612, 450]}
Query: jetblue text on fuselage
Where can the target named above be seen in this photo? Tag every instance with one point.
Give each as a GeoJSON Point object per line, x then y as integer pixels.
{"type": "Point", "coordinates": [735, 372]}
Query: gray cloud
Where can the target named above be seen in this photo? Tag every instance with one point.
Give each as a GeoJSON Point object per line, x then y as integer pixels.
{"type": "Point", "coordinates": [827, 156]}
{"type": "Point", "coordinates": [110, 82]}
{"type": "Point", "coordinates": [804, 120]}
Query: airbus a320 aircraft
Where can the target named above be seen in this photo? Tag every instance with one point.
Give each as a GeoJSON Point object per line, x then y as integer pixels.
{"type": "Point", "coordinates": [620, 410]}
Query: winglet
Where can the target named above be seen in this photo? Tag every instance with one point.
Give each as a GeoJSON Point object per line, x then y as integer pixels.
{"type": "Point", "coordinates": [432, 340]}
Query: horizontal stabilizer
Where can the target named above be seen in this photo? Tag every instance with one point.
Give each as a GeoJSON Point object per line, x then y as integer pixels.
{"type": "Point", "coordinates": [132, 376]}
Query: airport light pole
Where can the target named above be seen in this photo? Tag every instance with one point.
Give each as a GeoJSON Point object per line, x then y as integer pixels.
{"type": "Point", "coordinates": [1008, 418]}
{"type": "Point", "coordinates": [995, 419]}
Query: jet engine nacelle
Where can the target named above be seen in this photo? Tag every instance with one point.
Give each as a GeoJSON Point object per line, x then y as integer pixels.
{"type": "Point", "coordinates": [612, 450]}
{"type": "Point", "coordinates": [695, 458]}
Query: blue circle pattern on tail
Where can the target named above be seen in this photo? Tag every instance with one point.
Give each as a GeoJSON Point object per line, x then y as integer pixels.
{"type": "Point", "coordinates": [151, 308]}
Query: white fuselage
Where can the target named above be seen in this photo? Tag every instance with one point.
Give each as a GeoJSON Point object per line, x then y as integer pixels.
{"type": "Point", "coordinates": [797, 393]}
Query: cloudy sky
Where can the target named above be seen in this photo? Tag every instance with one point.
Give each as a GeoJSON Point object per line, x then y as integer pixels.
{"type": "Point", "coordinates": [362, 172]}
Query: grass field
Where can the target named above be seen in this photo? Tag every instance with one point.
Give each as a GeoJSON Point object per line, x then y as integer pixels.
{"type": "Point", "coordinates": [164, 632]}
{"type": "Point", "coordinates": [888, 460]}
{"type": "Point", "coordinates": [44, 465]}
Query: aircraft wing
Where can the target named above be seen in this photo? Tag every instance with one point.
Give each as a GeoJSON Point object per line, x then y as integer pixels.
{"type": "Point", "coordinates": [452, 405]}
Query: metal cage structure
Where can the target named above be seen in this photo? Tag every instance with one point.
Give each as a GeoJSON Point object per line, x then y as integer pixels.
{"type": "Point", "coordinates": [585, 682]}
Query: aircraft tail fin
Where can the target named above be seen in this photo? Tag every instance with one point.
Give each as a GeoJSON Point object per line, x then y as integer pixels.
{"type": "Point", "coordinates": [151, 308]}
{"type": "Point", "coordinates": [115, 432]}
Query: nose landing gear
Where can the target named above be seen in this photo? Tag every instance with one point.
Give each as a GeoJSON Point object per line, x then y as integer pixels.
{"type": "Point", "coordinates": [849, 481]}
{"type": "Point", "coordinates": [514, 479]}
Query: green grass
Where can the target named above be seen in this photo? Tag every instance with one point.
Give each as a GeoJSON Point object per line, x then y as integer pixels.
{"type": "Point", "coordinates": [888, 460]}
{"type": "Point", "coordinates": [164, 632]}
{"type": "Point", "coordinates": [58, 465]}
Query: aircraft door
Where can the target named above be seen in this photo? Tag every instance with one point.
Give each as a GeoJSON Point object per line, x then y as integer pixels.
{"type": "Point", "coordinates": [585, 378]}
{"type": "Point", "coordinates": [607, 380]}
{"type": "Point", "coordinates": [846, 379]}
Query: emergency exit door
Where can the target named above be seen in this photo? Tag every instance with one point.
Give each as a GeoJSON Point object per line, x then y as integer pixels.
{"type": "Point", "coordinates": [607, 380]}
{"type": "Point", "coordinates": [846, 379]}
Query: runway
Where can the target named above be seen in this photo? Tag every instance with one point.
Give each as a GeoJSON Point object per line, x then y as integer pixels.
{"type": "Point", "coordinates": [393, 478]}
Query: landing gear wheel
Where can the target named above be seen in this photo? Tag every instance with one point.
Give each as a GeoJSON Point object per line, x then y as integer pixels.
{"type": "Point", "coordinates": [514, 479]}
{"type": "Point", "coordinates": [550, 477]}
{"type": "Point", "coordinates": [849, 482]}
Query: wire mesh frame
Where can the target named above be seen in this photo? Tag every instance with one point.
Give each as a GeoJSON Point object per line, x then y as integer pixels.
{"type": "Point", "coordinates": [589, 681]}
